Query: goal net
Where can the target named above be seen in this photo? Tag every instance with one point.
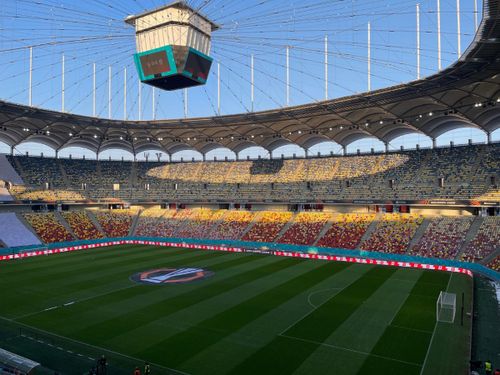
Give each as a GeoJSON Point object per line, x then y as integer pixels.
{"type": "Point", "coordinates": [446, 307]}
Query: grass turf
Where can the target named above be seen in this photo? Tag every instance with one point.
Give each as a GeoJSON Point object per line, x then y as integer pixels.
{"type": "Point", "coordinates": [256, 314]}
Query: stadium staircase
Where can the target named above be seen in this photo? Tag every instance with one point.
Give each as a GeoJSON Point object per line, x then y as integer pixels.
{"type": "Point", "coordinates": [63, 174]}
{"type": "Point", "coordinates": [471, 234]}
{"type": "Point", "coordinates": [65, 224]}
{"type": "Point", "coordinates": [94, 221]}
{"type": "Point", "coordinates": [214, 226]}
{"type": "Point", "coordinates": [370, 230]}
{"type": "Point", "coordinates": [325, 229]}
{"type": "Point", "coordinates": [286, 227]}
{"type": "Point", "coordinates": [133, 175]}
{"type": "Point", "coordinates": [19, 168]}
{"type": "Point", "coordinates": [418, 234]}
{"type": "Point", "coordinates": [251, 224]}
{"type": "Point", "coordinates": [135, 221]}
{"type": "Point", "coordinates": [490, 257]}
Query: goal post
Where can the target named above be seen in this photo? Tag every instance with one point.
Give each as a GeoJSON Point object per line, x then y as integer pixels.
{"type": "Point", "coordinates": [446, 307]}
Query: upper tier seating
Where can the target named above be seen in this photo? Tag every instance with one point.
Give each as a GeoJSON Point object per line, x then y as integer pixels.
{"type": "Point", "coordinates": [443, 238]}
{"type": "Point", "coordinates": [267, 226]}
{"type": "Point", "coordinates": [346, 231]}
{"type": "Point", "coordinates": [48, 228]}
{"type": "Point", "coordinates": [393, 233]}
{"type": "Point", "coordinates": [305, 228]}
{"type": "Point", "coordinates": [14, 233]}
{"type": "Point", "coordinates": [486, 241]}
{"type": "Point", "coordinates": [81, 225]}
{"type": "Point", "coordinates": [467, 172]}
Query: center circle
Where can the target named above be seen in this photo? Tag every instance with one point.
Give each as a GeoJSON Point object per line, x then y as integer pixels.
{"type": "Point", "coordinates": [170, 275]}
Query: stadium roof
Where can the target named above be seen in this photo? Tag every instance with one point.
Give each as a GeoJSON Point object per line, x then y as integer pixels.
{"type": "Point", "coordinates": [466, 94]}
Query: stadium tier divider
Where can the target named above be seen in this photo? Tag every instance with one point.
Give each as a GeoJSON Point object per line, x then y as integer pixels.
{"type": "Point", "coordinates": [262, 247]}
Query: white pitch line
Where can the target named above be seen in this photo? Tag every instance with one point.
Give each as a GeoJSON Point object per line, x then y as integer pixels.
{"type": "Point", "coordinates": [94, 346]}
{"type": "Point", "coordinates": [350, 350]}
{"type": "Point", "coordinates": [411, 329]}
{"type": "Point", "coordinates": [73, 302]}
{"type": "Point", "coordinates": [316, 292]}
{"type": "Point", "coordinates": [433, 333]}
{"type": "Point", "coordinates": [321, 304]}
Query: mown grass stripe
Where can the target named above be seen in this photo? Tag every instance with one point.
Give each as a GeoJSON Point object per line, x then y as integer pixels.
{"type": "Point", "coordinates": [407, 337]}
{"type": "Point", "coordinates": [119, 294]}
{"type": "Point", "coordinates": [89, 268]}
{"type": "Point", "coordinates": [54, 260]}
{"type": "Point", "coordinates": [285, 355]}
{"type": "Point", "coordinates": [134, 319]}
{"type": "Point", "coordinates": [196, 338]}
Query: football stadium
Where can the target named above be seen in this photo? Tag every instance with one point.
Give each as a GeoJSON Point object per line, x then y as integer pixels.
{"type": "Point", "coordinates": [258, 187]}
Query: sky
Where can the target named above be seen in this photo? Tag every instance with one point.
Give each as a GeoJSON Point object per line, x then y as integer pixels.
{"type": "Point", "coordinates": [93, 32]}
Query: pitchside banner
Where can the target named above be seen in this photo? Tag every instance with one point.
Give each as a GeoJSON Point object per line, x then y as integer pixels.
{"type": "Point", "coordinates": [335, 258]}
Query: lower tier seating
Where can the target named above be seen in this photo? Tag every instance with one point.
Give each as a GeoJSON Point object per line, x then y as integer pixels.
{"type": "Point", "coordinates": [393, 233]}
{"type": "Point", "coordinates": [48, 228]}
{"type": "Point", "coordinates": [346, 231]}
{"type": "Point", "coordinates": [486, 240]}
{"type": "Point", "coordinates": [443, 238]}
{"type": "Point", "coordinates": [81, 225]}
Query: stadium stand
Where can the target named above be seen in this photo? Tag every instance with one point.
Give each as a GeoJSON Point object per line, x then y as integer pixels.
{"type": "Point", "coordinates": [202, 228]}
{"type": "Point", "coordinates": [200, 223]}
{"type": "Point", "coordinates": [346, 231]}
{"type": "Point", "coordinates": [305, 228]}
{"type": "Point", "coordinates": [393, 233]}
{"type": "Point", "coordinates": [232, 225]}
{"type": "Point", "coordinates": [115, 223]}
{"type": "Point", "coordinates": [486, 241]}
{"type": "Point", "coordinates": [148, 220]}
{"type": "Point", "coordinates": [268, 226]}
{"type": "Point", "coordinates": [415, 175]}
{"type": "Point", "coordinates": [443, 238]}
{"type": "Point", "coordinates": [48, 228]}
{"type": "Point", "coordinates": [495, 264]}
{"type": "Point", "coordinates": [14, 233]}
{"type": "Point", "coordinates": [81, 225]}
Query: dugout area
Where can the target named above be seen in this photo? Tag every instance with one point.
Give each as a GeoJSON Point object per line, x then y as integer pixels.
{"type": "Point", "coordinates": [256, 314]}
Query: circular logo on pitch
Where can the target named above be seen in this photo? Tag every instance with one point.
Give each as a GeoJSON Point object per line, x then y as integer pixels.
{"type": "Point", "coordinates": [171, 275]}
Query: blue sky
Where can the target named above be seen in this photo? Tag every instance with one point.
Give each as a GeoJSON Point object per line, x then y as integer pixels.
{"type": "Point", "coordinates": [93, 31]}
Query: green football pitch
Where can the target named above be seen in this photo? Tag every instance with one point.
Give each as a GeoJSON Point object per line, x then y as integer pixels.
{"type": "Point", "coordinates": [256, 314]}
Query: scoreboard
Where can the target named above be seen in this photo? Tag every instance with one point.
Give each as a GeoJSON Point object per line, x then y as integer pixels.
{"type": "Point", "coordinates": [173, 67]}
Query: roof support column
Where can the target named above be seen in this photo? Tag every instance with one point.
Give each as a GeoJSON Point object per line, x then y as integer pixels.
{"type": "Point", "coordinates": [386, 144]}
{"type": "Point", "coordinates": [344, 150]}
{"type": "Point", "coordinates": [433, 142]}
{"type": "Point", "coordinates": [204, 156]}
{"type": "Point", "coordinates": [57, 154]}
{"type": "Point", "coordinates": [488, 137]}
{"type": "Point", "coordinates": [12, 150]}
{"type": "Point", "coordinates": [306, 152]}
